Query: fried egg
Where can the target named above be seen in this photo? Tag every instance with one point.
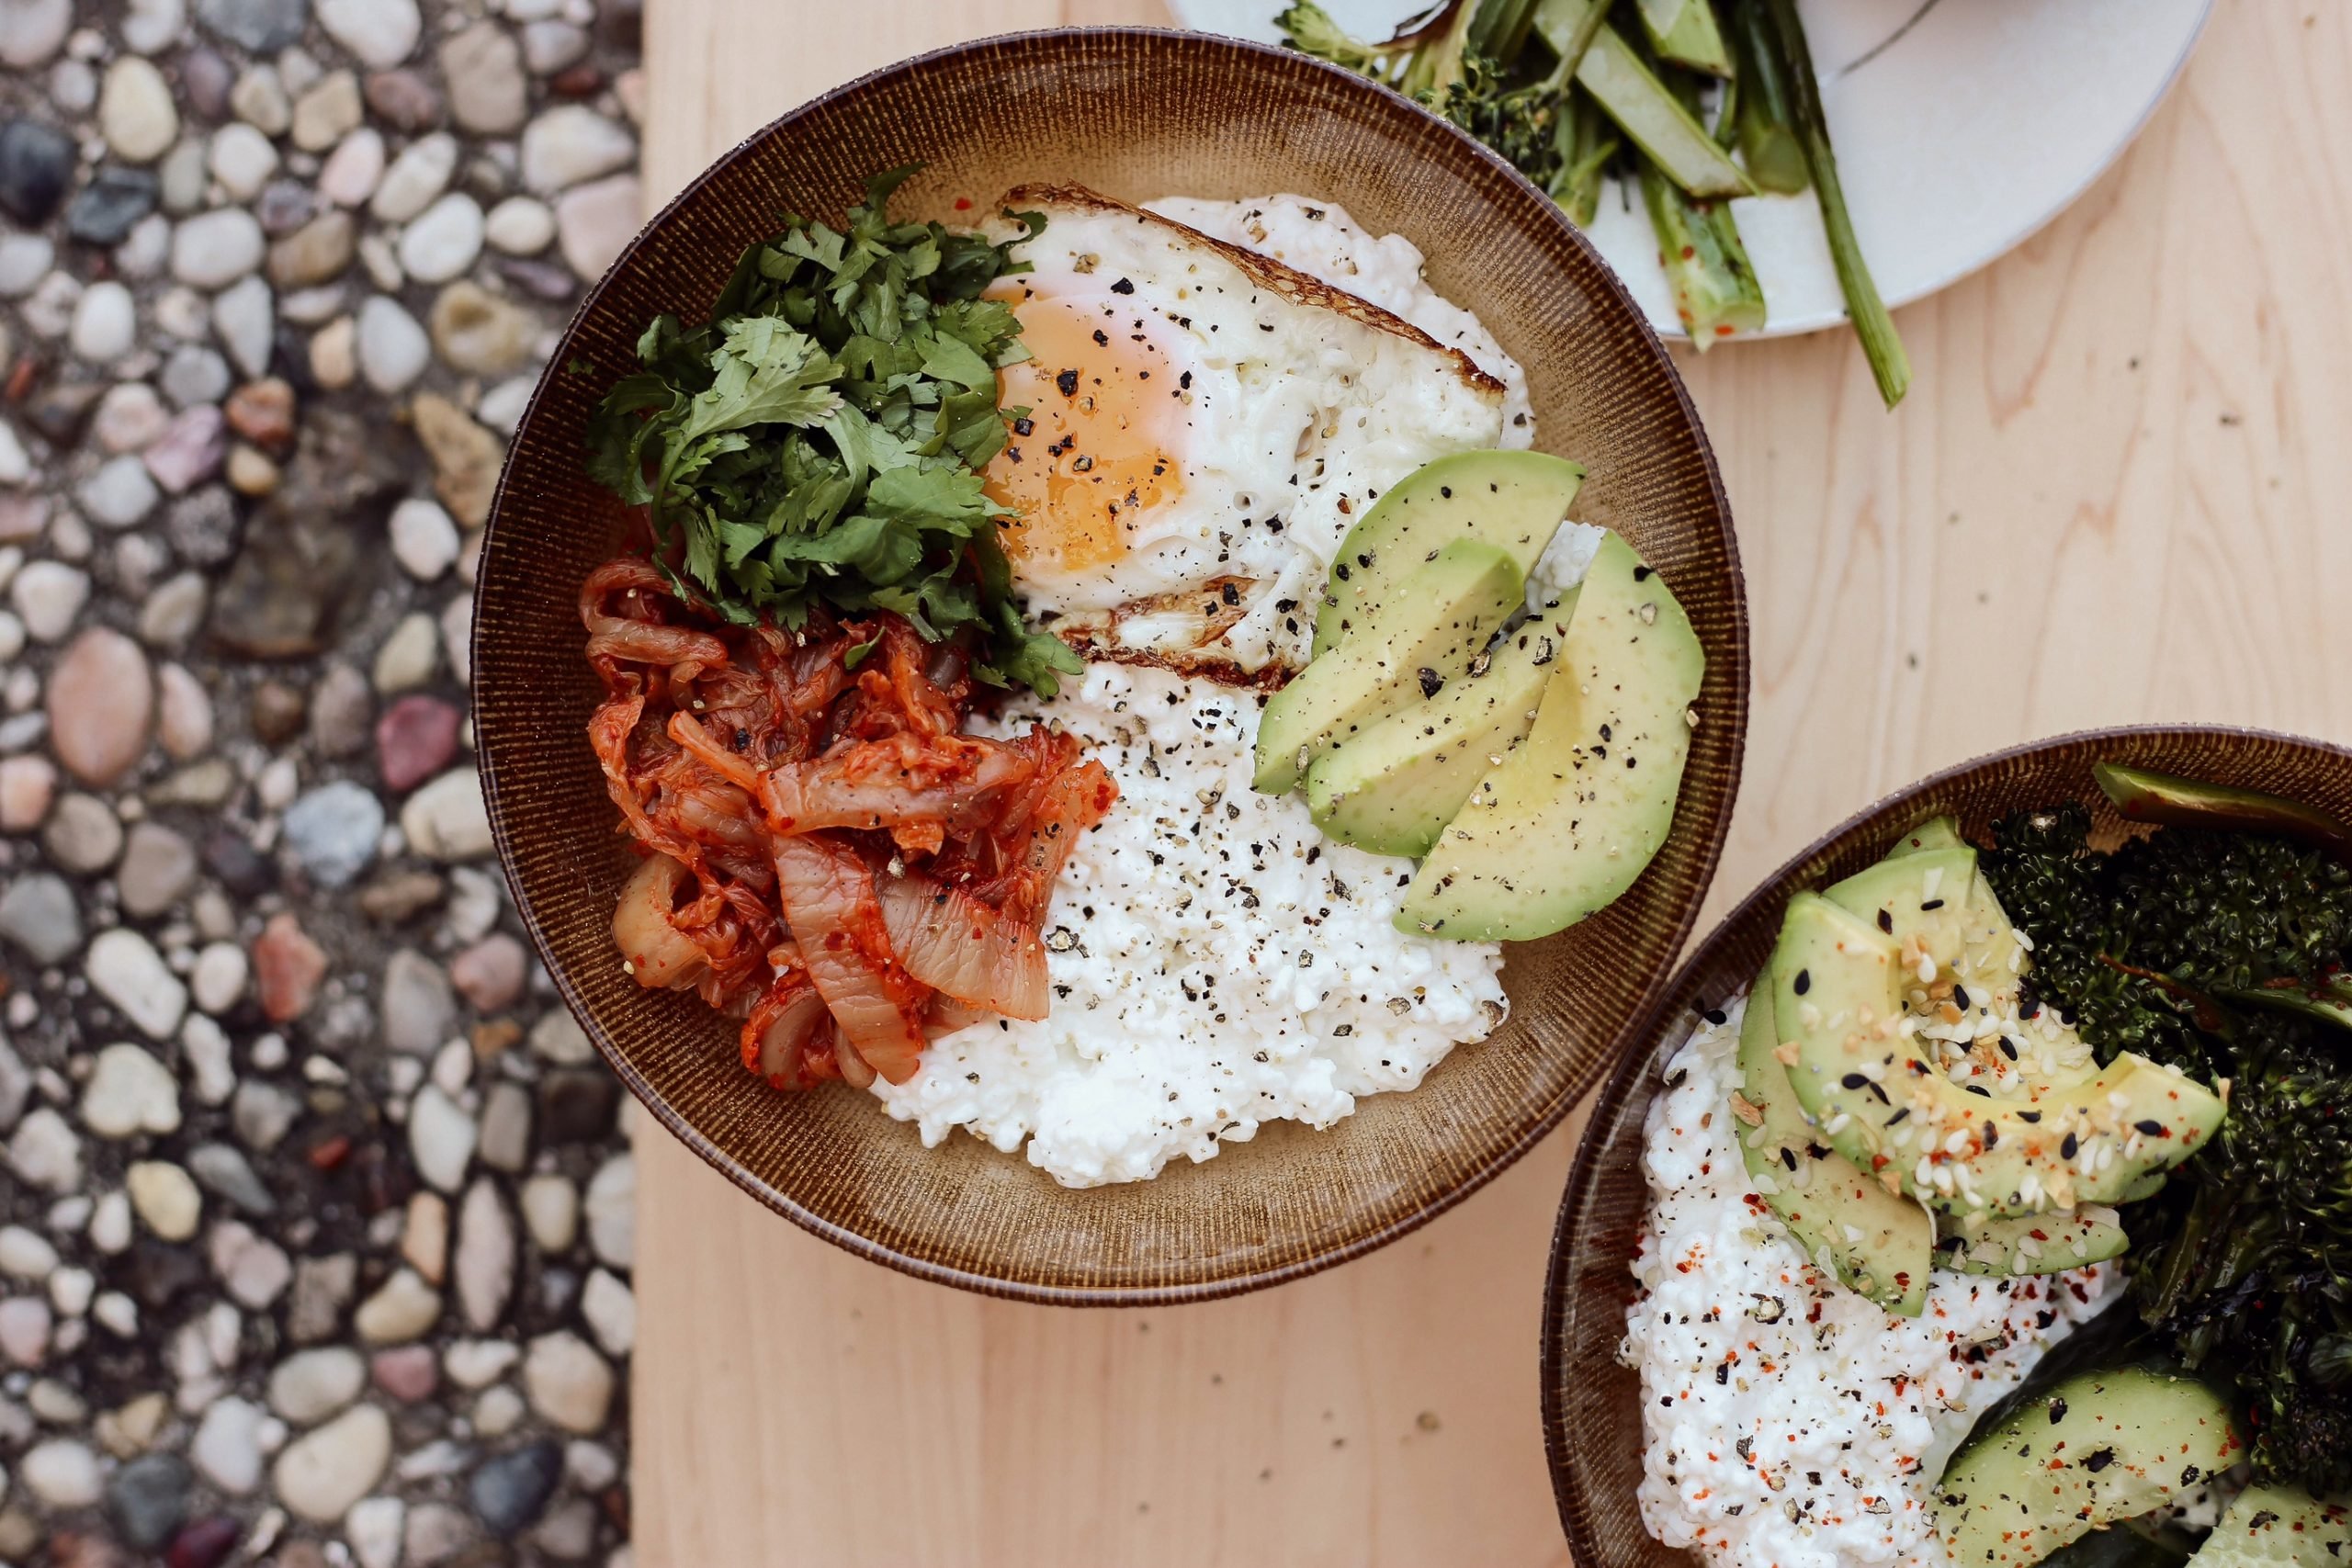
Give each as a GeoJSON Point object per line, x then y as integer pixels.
{"type": "Point", "coordinates": [1204, 422]}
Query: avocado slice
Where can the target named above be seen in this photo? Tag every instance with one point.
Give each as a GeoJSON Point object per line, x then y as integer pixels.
{"type": "Point", "coordinates": [2274, 1527]}
{"type": "Point", "coordinates": [1425, 635]}
{"type": "Point", "coordinates": [1931, 895]}
{"type": "Point", "coordinates": [1839, 985]}
{"type": "Point", "coordinates": [1935, 833]}
{"type": "Point", "coordinates": [1879, 1244]}
{"type": "Point", "coordinates": [1391, 789]}
{"type": "Point", "coordinates": [2098, 1447]}
{"type": "Point", "coordinates": [2145, 795]}
{"type": "Point", "coordinates": [1513, 501]}
{"type": "Point", "coordinates": [1568, 820]}
{"type": "Point", "coordinates": [2039, 1244]}
{"type": "Point", "coordinates": [1934, 900]}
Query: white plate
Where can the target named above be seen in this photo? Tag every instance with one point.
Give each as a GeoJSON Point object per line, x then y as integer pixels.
{"type": "Point", "coordinates": [1961, 127]}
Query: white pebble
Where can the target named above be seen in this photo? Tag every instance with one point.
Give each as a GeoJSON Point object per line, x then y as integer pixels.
{"type": "Point", "coordinates": [106, 323]}
{"type": "Point", "coordinates": [420, 172]}
{"type": "Point", "coordinates": [443, 240]}
{"type": "Point", "coordinates": [242, 159]}
{"type": "Point", "coordinates": [214, 249]}
{"type": "Point", "coordinates": [425, 539]}
{"type": "Point", "coordinates": [393, 349]}
{"type": "Point", "coordinates": [520, 226]}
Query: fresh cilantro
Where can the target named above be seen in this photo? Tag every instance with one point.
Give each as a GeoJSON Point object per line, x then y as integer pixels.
{"type": "Point", "coordinates": [819, 439]}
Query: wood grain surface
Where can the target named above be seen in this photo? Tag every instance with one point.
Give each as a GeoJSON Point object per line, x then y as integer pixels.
{"type": "Point", "coordinates": [2116, 493]}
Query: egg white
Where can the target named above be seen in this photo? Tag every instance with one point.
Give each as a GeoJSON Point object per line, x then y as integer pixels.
{"type": "Point", "coordinates": [1289, 407]}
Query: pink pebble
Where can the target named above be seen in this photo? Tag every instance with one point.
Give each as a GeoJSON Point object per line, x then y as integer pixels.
{"type": "Point", "coordinates": [26, 787]}
{"type": "Point", "coordinates": [190, 449]}
{"type": "Point", "coordinates": [100, 699]}
{"type": "Point", "coordinates": [415, 739]}
{"type": "Point", "coordinates": [288, 969]}
{"type": "Point", "coordinates": [490, 973]}
{"type": "Point", "coordinates": [408, 1373]}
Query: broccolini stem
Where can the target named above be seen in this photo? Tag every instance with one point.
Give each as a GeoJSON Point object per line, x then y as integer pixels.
{"type": "Point", "coordinates": [1880, 343]}
{"type": "Point", "coordinates": [1586, 145]}
{"type": "Point", "coordinates": [1768, 144]}
{"type": "Point", "coordinates": [1715, 292]}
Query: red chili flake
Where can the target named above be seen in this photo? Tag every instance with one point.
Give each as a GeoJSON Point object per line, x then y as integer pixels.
{"type": "Point", "coordinates": [963, 203]}
{"type": "Point", "coordinates": [326, 1155]}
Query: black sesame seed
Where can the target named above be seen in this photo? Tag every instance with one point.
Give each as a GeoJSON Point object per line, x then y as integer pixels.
{"type": "Point", "coordinates": [1932, 904]}
{"type": "Point", "coordinates": [1980, 1089]}
{"type": "Point", "coordinates": [1803, 982]}
{"type": "Point", "coordinates": [2071, 1146]}
{"type": "Point", "coordinates": [2008, 1048]}
{"type": "Point", "coordinates": [1853, 1080]}
{"type": "Point", "coordinates": [2152, 1127]}
{"type": "Point", "coordinates": [2033, 1116]}
{"type": "Point", "coordinates": [1887, 921]}
{"type": "Point", "coordinates": [1641, 574]}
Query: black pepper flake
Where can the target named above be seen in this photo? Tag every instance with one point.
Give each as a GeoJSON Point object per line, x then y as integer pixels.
{"type": "Point", "coordinates": [1431, 681]}
{"type": "Point", "coordinates": [1641, 574]}
{"type": "Point", "coordinates": [2099, 1460]}
{"type": "Point", "coordinates": [1123, 287]}
{"type": "Point", "coordinates": [1024, 425]}
{"type": "Point", "coordinates": [1067, 382]}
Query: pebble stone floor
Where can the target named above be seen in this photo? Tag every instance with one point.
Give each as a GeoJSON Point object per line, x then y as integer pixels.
{"type": "Point", "coordinates": [315, 1206]}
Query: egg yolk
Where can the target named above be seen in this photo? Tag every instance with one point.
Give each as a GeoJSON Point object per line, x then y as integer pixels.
{"type": "Point", "coordinates": [1093, 448]}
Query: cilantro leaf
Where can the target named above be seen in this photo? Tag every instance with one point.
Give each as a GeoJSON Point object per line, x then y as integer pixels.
{"type": "Point", "coordinates": [819, 438]}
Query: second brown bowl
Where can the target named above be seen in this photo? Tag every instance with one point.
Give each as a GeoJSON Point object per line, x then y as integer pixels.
{"type": "Point", "coordinates": [1592, 1418]}
{"type": "Point", "coordinates": [1134, 114]}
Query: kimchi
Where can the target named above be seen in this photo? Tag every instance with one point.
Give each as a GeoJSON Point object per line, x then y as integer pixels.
{"type": "Point", "coordinates": [831, 858]}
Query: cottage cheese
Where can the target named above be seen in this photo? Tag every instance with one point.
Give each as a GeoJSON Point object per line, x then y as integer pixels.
{"type": "Point", "coordinates": [1217, 964]}
{"type": "Point", "coordinates": [1788, 1422]}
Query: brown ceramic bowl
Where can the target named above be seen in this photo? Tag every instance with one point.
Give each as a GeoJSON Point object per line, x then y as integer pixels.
{"type": "Point", "coordinates": [1592, 1421]}
{"type": "Point", "coordinates": [1136, 114]}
